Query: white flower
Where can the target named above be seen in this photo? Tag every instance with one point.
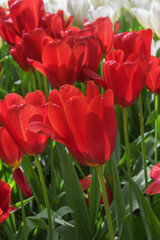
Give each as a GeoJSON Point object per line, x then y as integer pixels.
{"type": "Point", "coordinates": [149, 18]}
{"type": "Point", "coordinates": [105, 8]}
{"type": "Point", "coordinates": [128, 4]}
{"type": "Point", "coordinates": [4, 3]}
{"type": "Point", "coordinates": [104, 11]}
{"type": "Point", "coordinates": [155, 46]}
{"type": "Point", "coordinates": [79, 10]}
{"type": "Point", "coordinates": [53, 6]}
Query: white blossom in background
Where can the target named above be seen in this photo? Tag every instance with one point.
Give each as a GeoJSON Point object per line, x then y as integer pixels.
{"type": "Point", "coordinates": [155, 46]}
{"type": "Point", "coordinates": [105, 8]}
{"type": "Point", "coordinates": [149, 18]}
{"type": "Point", "coordinates": [128, 4]}
{"type": "Point", "coordinates": [79, 10]}
{"type": "Point", "coordinates": [4, 3]}
{"type": "Point", "coordinates": [53, 6]}
{"type": "Point", "coordinates": [104, 11]}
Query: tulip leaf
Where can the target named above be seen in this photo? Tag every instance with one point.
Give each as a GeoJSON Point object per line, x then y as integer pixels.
{"type": "Point", "coordinates": [25, 202]}
{"type": "Point", "coordinates": [122, 221]}
{"type": "Point", "coordinates": [94, 198]}
{"type": "Point", "coordinates": [34, 181]}
{"type": "Point", "coordinates": [151, 223]}
{"type": "Point", "coordinates": [66, 233]}
{"type": "Point", "coordinates": [74, 195]}
{"type": "Point", "coordinates": [5, 229]}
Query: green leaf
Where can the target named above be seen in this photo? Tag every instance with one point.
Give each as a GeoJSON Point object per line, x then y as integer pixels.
{"type": "Point", "coordinates": [74, 195]}
{"type": "Point", "coordinates": [151, 223]}
{"type": "Point", "coordinates": [122, 221]}
{"type": "Point", "coordinates": [94, 198]}
{"type": "Point", "coordinates": [25, 202]}
{"type": "Point", "coordinates": [34, 181]}
{"type": "Point", "coordinates": [66, 233]}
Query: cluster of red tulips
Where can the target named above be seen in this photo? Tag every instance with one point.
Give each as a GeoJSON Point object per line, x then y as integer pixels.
{"type": "Point", "coordinates": [84, 122]}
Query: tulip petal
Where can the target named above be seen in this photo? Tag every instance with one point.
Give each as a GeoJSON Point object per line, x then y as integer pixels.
{"type": "Point", "coordinates": [109, 119]}
{"type": "Point", "coordinates": [35, 98]}
{"type": "Point", "coordinates": [153, 188]}
{"type": "Point", "coordinates": [92, 91]}
{"type": "Point", "coordinates": [5, 198]}
{"type": "Point", "coordinates": [37, 65]}
{"type": "Point", "coordinates": [68, 91]}
{"type": "Point", "coordinates": [58, 121]}
{"type": "Point", "coordinates": [97, 144]}
{"type": "Point", "coordinates": [21, 181]}
{"type": "Point", "coordinates": [155, 172]}
{"type": "Point", "coordinates": [77, 121]}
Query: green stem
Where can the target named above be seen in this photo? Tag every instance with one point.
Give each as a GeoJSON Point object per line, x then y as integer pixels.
{"type": "Point", "coordinates": [39, 79]}
{"type": "Point", "coordinates": [77, 237]}
{"type": "Point", "coordinates": [125, 126]}
{"type": "Point", "coordinates": [105, 201]}
{"type": "Point", "coordinates": [23, 212]}
{"type": "Point", "coordinates": [45, 195]}
{"type": "Point", "coordinates": [46, 86]}
{"type": "Point", "coordinates": [156, 128]}
{"type": "Point", "coordinates": [33, 82]}
{"type": "Point", "coordinates": [101, 65]}
{"type": "Point", "coordinates": [52, 174]}
{"type": "Point", "coordinates": [143, 142]}
{"type": "Point", "coordinates": [83, 88]}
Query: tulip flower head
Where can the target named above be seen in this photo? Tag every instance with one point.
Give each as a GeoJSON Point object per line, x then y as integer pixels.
{"type": "Point", "coordinates": [16, 113]}
{"type": "Point", "coordinates": [126, 67]}
{"type": "Point", "coordinates": [153, 78]}
{"type": "Point", "coordinates": [85, 125]}
{"type": "Point", "coordinates": [11, 155]}
{"type": "Point", "coordinates": [5, 201]}
{"type": "Point", "coordinates": [154, 187]}
{"type": "Point", "coordinates": [61, 62]}
{"type": "Point", "coordinates": [149, 16]}
{"type": "Point", "coordinates": [86, 183]}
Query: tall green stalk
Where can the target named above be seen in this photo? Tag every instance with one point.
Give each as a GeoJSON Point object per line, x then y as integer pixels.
{"type": "Point", "coordinates": [39, 80]}
{"type": "Point", "coordinates": [156, 128]}
{"type": "Point", "coordinates": [46, 86]}
{"type": "Point", "coordinates": [45, 196]}
{"type": "Point", "coordinates": [101, 67]}
{"type": "Point", "coordinates": [33, 81]}
{"type": "Point", "coordinates": [125, 126]}
{"type": "Point", "coordinates": [143, 142]}
{"type": "Point", "coordinates": [105, 201]}
{"type": "Point", "coordinates": [23, 213]}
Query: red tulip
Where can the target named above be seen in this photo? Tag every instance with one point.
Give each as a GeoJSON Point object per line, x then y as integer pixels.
{"type": "Point", "coordinates": [86, 182]}
{"type": "Point", "coordinates": [7, 30]}
{"type": "Point", "coordinates": [85, 125]}
{"type": "Point", "coordinates": [61, 62]}
{"type": "Point", "coordinates": [125, 78]}
{"type": "Point", "coordinates": [12, 156]}
{"type": "Point", "coordinates": [5, 201]}
{"type": "Point", "coordinates": [29, 46]}
{"type": "Point", "coordinates": [33, 43]}
{"type": "Point", "coordinates": [21, 181]}
{"type": "Point", "coordinates": [15, 115]}
{"type": "Point", "coordinates": [19, 55]}
{"type": "Point", "coordinates": [153, 78]}
{"type": "Point", "coordinates": [154, 187]}
{"type": "Point", "coordinates": [92, 56]}
{"type": "Point", "coordinates": [54, 24]}
{"type": "Point", "coordinates": [103, 30]}
{"type": "Point", "coordinates": [134, 42]}
{"type": "Point", "coordinates": [9, 152]}
{"type": "Point", "coordinates": [25, 14]}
